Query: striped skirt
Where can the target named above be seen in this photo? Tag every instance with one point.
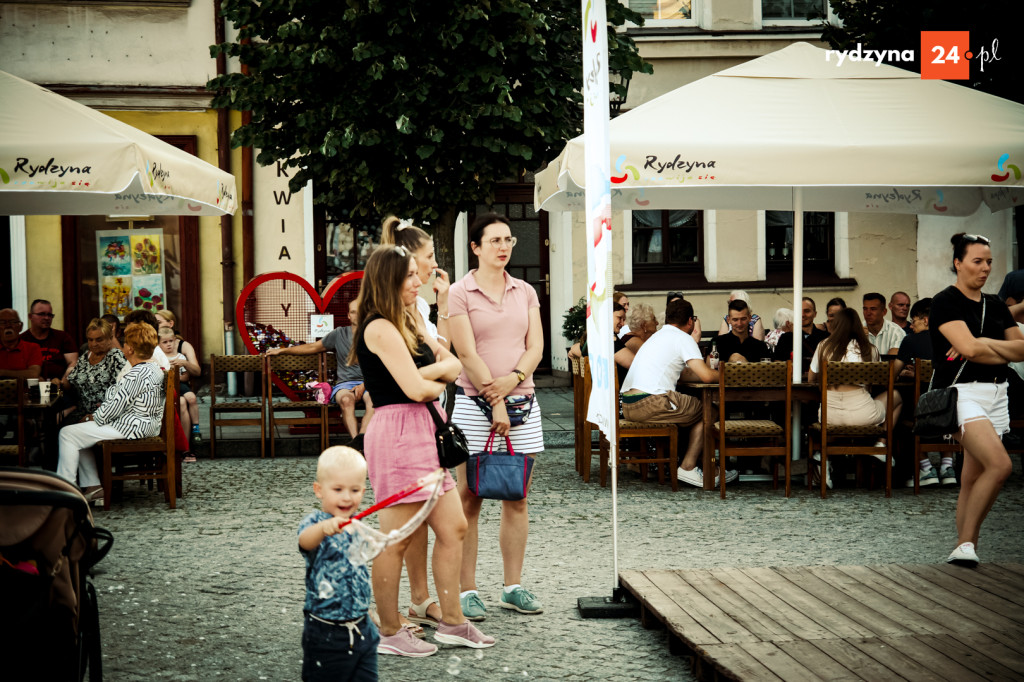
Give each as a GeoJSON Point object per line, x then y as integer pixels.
{"type": "Point", "coordinates": [527, 438]}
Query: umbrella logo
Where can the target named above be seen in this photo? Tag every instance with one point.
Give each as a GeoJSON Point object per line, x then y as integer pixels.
{"type": "Point", "coordinates": [4, 177]}
{"type": "Point", "coordinates": [1002, 165]}
{"type": "Point", "coordinates": [625, 176]}
{"type": "Point", "coordinates": [592, 25]}
{"type": "Point", "coordinates": [938, 204]}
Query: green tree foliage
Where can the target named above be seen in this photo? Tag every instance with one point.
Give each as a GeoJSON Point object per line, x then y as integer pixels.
{"type": "Point", "coordinates": [417, 109]}
{"type": "Point", "coordinates": [897, 25]}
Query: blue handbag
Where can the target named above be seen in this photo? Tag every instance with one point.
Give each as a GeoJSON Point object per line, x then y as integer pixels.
{"type": "Point", "coordinates": [498, 475]}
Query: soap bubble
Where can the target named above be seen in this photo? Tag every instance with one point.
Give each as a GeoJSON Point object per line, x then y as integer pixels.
{"type": "Point", "coordinates": [326, 590]}
{"type": "Point", "coordinates": [453, 665]}
{"type": "Point", "coordinates": [479, 654]}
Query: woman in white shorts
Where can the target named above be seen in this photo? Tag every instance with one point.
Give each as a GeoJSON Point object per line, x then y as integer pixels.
{"type": "Point", "coordinates": [978, 337]}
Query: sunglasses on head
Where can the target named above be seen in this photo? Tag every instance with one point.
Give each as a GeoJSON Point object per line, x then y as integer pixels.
{"type": "Point", "coordinates": [975, 238]}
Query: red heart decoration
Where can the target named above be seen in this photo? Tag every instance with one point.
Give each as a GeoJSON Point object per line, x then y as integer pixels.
{"type": "Point", "coordinates": [273, 311]}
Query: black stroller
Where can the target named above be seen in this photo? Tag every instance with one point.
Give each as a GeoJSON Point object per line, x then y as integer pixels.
{"type": "Point", "coordinates": [49, 620]}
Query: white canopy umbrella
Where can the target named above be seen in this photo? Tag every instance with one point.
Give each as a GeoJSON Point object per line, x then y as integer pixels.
{"type": "Point", "coordinates": [856, 137]}
{"type": "Point", "coordinates": [59, 157]}
{"type": "Point", "coordinates": [795, 131]}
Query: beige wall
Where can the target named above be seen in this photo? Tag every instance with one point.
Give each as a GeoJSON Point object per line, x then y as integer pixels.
{"type": "Point", "coordinates": [43, 251]}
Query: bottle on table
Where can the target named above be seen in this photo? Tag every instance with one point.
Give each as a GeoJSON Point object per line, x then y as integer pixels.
{"type": "Point", "coordinates": [713, 356]}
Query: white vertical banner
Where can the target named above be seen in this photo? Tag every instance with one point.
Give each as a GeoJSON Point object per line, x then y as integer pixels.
{"type": "Point", "coordinates": [603, 409]}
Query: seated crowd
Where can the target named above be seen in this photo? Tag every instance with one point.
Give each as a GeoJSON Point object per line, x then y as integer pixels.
{"type": "Point", "coordinates": [652, 362]}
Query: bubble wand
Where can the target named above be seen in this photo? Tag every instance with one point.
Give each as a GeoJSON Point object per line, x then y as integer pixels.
{"type": "Point", "coordinates": [373, 542]}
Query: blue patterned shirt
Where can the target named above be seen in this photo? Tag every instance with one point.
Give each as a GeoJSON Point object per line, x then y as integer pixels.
{"type": "Point", "coordinates": [337, 585]}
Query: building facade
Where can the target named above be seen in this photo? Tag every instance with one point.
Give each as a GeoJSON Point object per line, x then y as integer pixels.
{"type": "Point", "coordinates": [146, 62]}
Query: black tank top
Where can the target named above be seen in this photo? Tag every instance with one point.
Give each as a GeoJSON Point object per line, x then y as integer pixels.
{"type": "Point", "coordinates": [383, 388]}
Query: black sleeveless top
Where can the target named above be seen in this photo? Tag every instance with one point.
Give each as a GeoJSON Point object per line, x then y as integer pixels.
{"type": "Point", "coordinates": [383, 388]}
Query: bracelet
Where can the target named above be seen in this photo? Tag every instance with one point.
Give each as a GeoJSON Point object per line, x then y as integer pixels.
{"type": "Point", "coordinates": [443, 317]}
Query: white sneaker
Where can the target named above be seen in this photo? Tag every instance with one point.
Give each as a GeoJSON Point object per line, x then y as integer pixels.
{"type": "Point", "coordinates": [695, 476]}
{"type": "Point", "coordinates": [964, 555]}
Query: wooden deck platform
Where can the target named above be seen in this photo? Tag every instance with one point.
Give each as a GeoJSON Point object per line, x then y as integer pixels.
{"type": "Point", "coordinates": [912, 622]}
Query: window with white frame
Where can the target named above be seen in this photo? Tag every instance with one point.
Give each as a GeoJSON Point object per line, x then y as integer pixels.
{"type": "Point", "coordinates": [791, 10]}
{"type": "Point", "coordinates": [667, 241]}
{"type": "Point", "coordinates": [819, 241]}
{"type": "Point", "coordinates": [665, 12]}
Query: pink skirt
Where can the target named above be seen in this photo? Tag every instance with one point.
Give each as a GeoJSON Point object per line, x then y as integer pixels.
{"type": "Point", "coordinates": [399, 448]}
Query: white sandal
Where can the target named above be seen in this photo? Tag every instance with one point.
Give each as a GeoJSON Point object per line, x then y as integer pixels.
{"type": "Point", "coordinates": [419, 614]}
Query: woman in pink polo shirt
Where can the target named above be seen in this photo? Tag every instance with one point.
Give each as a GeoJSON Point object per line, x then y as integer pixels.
{"type": "Point", "coordinates": [496, 327]}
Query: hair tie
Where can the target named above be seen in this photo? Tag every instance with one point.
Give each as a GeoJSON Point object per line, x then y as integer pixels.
{"type": "Point", "coordinates": [400, 250]}
{"type": "Point", "coordinates": [402, 224]}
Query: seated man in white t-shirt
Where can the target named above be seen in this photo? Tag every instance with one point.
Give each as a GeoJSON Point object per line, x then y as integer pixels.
{"type": "Point", "coordinates": [649, 391]}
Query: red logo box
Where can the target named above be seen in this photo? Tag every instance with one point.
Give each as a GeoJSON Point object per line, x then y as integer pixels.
{"type": "Point", "coordinates": [945, 55]}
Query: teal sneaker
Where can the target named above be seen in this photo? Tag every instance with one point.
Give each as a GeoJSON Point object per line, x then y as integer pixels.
{"type": "Point", "coordinates": [521, 600]}
{"type": "Point", "coordinates": [473, 607]}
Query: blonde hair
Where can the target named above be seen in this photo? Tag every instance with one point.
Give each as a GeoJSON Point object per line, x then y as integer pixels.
{"type": "Point", "coordinates": [397, 232]}
{"type": "Point", "coordinates": [102, 326]}
{"type": "Point", "coordinates": [339, 457]}
{"type": "Point", "coordinates": [167, 315]}
{"type": "Point", "coordinates": [380, 295]}
{"type": "Point", "coordinates": [166, 333]}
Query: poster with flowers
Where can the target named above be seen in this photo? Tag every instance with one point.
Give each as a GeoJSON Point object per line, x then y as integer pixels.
{"type": "Point", "coordinates": [146, 255]}
{"type": "Point", "coordinates": [148, 292]}
{"type": "Point", "coordinates": [116, 299]}
{"type": "Point", "coordinates": [112, 255]}
{"type": "Point", "coordinates": [130, 268]}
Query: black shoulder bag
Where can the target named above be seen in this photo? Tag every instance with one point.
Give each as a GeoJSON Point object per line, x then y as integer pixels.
{"type": "Point", "coordinates": [935, 414]}
{"type": "Point", "coordinates": [452, 447]}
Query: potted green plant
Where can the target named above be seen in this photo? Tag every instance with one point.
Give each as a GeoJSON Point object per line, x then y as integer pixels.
{"type": "Point", "coordinates": [574, 322]}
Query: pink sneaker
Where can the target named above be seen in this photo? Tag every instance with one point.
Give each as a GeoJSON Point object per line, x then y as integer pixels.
{"type": "Point", "coordinates": [404, 643]}
{"type": "Point", "coordinates": [464, 634]}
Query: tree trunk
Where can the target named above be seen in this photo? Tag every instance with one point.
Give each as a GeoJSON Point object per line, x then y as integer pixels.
{"type": "Point", "coordinates": [444, 241]}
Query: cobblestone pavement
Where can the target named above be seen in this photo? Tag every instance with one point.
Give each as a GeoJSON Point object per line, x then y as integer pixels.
{"type": "Point", "coordinates": [213, 590]}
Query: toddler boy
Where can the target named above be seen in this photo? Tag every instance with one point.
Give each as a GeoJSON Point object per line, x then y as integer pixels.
{"type": "Point", "coordinates": [339, 642]}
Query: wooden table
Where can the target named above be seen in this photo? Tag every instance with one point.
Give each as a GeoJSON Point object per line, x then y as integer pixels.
{"type": "Point", "coordinates": [802, 392]}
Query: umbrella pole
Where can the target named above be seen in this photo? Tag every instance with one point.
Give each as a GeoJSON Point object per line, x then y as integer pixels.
{"type": "Point", "coordinates": [798, 295]}
{"type": "Point", "coordinates": [620, 604]}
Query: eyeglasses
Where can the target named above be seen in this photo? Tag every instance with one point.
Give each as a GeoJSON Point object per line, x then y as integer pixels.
{"type": "Point", "coordinates": [42, 314]}
{"type": "Point", "coordinates": [675, 294]}
{"type": "Point", "coordinates": [498, 241]}
{"type": "Point", "coordinates": [973, 238]}
{"type": "Point", "coordinates": [10, 323]}
{"type": "Point", "coordinates": [694, 317]}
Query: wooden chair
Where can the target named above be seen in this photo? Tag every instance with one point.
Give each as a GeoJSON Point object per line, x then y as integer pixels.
{"type": "Point", "coordinates": [12, 404]}
{"type": "Point", "coordinates": [315, 414]}
{"type": "Point", "coordinates": [334, 416]}
{"type": "Point", "coordinates": [584, 429]}
{"type": "Point", "coordinates": [848, 440]}
{"type": "Point", "coordinates": [923, 446]}
{"type": "Point", "coordinates": [238, 363]}
{"type": "Point", "coordinates": [145, 459]}
{"type": "Point", "coordinates": [753, 437]}
{"type": "Point", "coordinates": [640, 432]}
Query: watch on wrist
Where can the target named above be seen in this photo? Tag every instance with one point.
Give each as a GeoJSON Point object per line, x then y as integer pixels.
{"type": "Point", "coordinates": [520, 375]}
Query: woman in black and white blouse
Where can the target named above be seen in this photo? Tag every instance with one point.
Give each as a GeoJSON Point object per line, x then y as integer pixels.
{"type": "Point", "coordinates": [95, 372]}
{"type": "Point", "coordinates": [132, 408]}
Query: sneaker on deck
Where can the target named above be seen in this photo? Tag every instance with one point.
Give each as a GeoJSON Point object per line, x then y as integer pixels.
{"type": "Point", "coordinates": [930, 477]}
{"type": "Point", "coordinates": [521, 600]}
{"type": "Point", "coordinates": [473, 607]}
{"type": "Point", "coordinates": [464, 634]}
{"type": "Point", "coordinates": [947, 475]}
{"type": "Point", "coordinates": [964, 555]}
{"type": "Point", "coordinates": [404, 643]}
